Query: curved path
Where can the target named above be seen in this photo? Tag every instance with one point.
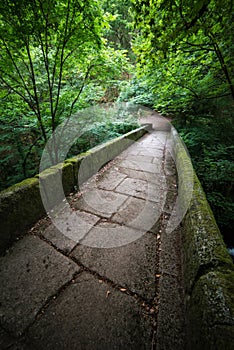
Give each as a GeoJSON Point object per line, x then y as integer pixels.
{"type": "Point", "coordinates": [112, 279]}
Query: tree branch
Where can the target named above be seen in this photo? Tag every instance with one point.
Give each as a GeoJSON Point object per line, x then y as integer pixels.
{"type": "Point", "coordinates": [222, 63]}
{"type": "Point", "coordinates": [82, 87]}
{"type": "Point", "coordinates": [201, 12]}
{"type": "Point", "coordinates": [182, 85]}
{"type": "Point", "coordinates": [35, 92]}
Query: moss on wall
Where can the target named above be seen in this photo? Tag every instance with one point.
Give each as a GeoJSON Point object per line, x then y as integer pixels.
{"type": "Point", "coordinates": [21, 205]}
{"type": "Point", "coordinates": [211, 308]}
{"type": "Point", "coordinates": [208, 268]}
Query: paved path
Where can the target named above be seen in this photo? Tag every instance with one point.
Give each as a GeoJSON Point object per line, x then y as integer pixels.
{"type": "Point", "coordinates": [112, 281]}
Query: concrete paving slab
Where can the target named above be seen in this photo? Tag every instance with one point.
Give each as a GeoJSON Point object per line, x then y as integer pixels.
{"type": "Point", "coordinates": [140, 158]}
{"type": "Point", "coordinates": [157, 160]}
{"type": "Point", "coordinates": [6, 341]}
{"type": "Point", "coordinates": [13, 344]}
{"type": "Point", "coordinates": [100, 202]}
{"type": "Point", "coordinates": [156, 178]}
{"type": "Point", "coordinates": [142, 189]}
{"type": "Point", "coordinates": [97, 318]}
{"type": "Point", "coordinates": [55, 236]}
{"type": "Point", "coordinates": [153, 142]}
{"type": "Point", "coordinates": [110, 180]}
{"type": "Point", "coordinates": [139, 213]}
{"type": "Point", "coordinates": [132, 150]}
{"type": "Point", "coordinates": [171, 317]}
{"type": "Point", "coordinates": [108, 235]}
{"type": "Point", "coordinates": [132, 266]}
{"type": "Point", "coordinates": [69, 228]}
{"type": "Point", "coordinates": [30, 273]}
{"type": "Point", "coordinates": [152, 152]}
{"type": "Point", "coordinates": [140, 166]}
{"type": "Point", "coordinates": [146, 149]}
{"type": "Point", "coordinates": [160, 136]}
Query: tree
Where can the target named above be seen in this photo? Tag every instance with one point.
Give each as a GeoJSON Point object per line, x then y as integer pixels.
{"type": "Point", "coordinates": [54, 61]}
{"type": "Point", "coordinates": [200, 31]}
{"type": "Point", "coordinates": [118, 32]}
{"type": "Point", "coordinates": [42, 42]}
{"type": "Point", "coordinates": [185, 68]}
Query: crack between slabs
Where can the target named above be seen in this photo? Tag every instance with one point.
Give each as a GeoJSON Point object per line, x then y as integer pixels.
{"type": "Point", "coordinates": [51, 299]}
{"type": "Point", "coordinates": [144, 303]}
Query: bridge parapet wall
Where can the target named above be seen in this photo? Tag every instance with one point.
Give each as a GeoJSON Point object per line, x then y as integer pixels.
{"type": "Point", "coordinates": [208, 268]}
{"type": "Point", "coordinates": [21, 204]}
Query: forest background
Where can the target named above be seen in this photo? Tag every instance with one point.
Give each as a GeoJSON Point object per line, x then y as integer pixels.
{"type": "Point", "coordinates": [59, 57]}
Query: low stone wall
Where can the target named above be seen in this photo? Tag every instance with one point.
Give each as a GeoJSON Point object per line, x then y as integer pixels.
{"type": "Point", "coordinates": [208, 268]}
{"type": "Point", "coordinates": [21, 205]}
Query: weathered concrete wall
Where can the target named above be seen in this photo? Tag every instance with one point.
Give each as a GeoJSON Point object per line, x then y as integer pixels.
{"type": "Point", "coordinates": [208, 268]}
{"type": "Point", "coordinates": [21, 205]}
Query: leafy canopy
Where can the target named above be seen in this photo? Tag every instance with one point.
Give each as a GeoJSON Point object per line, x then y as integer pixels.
{"type": "Point", "coordinates": [196, 36]}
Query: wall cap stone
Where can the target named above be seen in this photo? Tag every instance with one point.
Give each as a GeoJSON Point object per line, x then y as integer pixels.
{"type": "Point", "coordinates": [208, 267]}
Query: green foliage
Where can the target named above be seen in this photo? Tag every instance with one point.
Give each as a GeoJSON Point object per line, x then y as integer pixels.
{"type": "Point", "coordinates": [185, 53]}
{"type": "Point", "coordinates": [137, 91]}
{"type": "Point", "coordinates": [101, 132]}
{"type": "Point", "coordinates": [117, 31]}
{"type": "Point", "coordinates": [54, 62]}
{"type": "Point", "coordinates": [210, 144]}
{"type": "Point", "coordinates": [20, 142]}
{"type": "Point", "coordinates": [189, 45]}
{"type": "Point", "coordinates": [45, 45]}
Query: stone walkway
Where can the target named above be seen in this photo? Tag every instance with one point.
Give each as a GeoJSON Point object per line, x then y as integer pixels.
{"type": "Point", "coordinates": [109, 276]}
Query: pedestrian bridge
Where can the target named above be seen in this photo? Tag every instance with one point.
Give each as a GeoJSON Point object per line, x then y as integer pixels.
{"type": "Point", "coordinates": [132, 260]}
